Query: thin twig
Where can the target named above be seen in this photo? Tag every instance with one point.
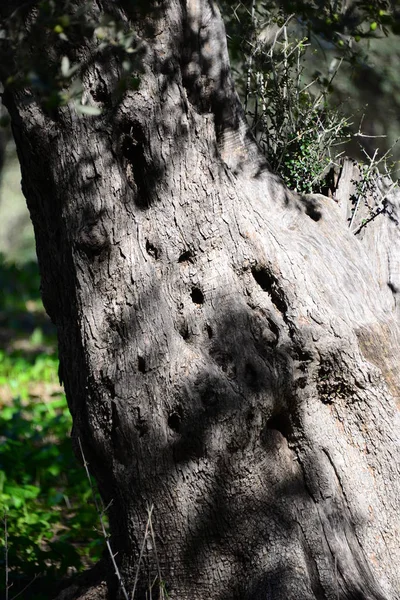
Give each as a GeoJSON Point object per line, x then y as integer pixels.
{"type": "Point", "coordinates": [364, 183]}
{"type": "Point", "coordinates": [100, 513]}
{"type": "Point", "coordinates": [155, 551]}
{"type": "Point", "coordinates": [364, 135]}
{"type": "Point", "coordinates": [26, 587]}
{"type": "Point", "coordinates": [250, 63]}
{"type": "Point", "coordinates": [146, 532]}
{"type": "Point", "coordinates": [372, 167]}
{"type": "Point", "coordinates": [285, 62]}
{"type": "Point", "coordinates": [6, 551]}
{"type": "Point", "coordinates": [149, 531]}
{"type": "Point", "coordinates": [278, 33]}
{"type": "Point", "coordinates": [379, 211]}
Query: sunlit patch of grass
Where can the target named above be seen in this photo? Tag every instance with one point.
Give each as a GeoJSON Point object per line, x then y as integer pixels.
{"type": "Point", "coordinates": [28, 376]}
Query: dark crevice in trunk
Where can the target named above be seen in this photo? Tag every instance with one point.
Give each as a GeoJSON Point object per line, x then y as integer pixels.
{"type": "Point", "coordinates": [312, 566]}
{"type": "Point", "coordinates": [281, 423]}
{"type": "Point", "coordinates": [269, 283]}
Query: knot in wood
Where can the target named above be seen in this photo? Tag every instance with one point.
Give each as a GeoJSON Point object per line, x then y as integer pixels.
{"type": "Point", "coordinates": [93, 239]}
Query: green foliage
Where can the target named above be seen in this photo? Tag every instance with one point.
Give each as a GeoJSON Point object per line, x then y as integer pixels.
{"type": "Point", "coordinates": [18, 284]}
{"type": "Point", "coordinates": [55, 78]}
{"type": "Point", "coordinates": [338, 19]}
{"type": "Point", "coordinates": [290, 115]}
{"type": "Point", "coordinates": [44, 494]}
{"type": "Point", "coordinates": [43, 491]}
{"type": "Point", "coordinates": [295, 125]}
{"type": "Point", "coordinates": [18, 369]}
{"type": "Point", "coordinates": [295, 65]}
{"type": "Point", "coordinates": [334, 20]}
{"type": "Point", "coordinates": [372, 189]}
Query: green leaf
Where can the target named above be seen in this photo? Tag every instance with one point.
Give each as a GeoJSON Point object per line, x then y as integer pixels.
{"type": "Point", "coordinates": [22, 493]}
{"type": "Point", "coordinates": [3, 479]}
{"type": "Point", "coordinates": [7, 413]}
{"type": "Point", "coordinates": [37, 337]}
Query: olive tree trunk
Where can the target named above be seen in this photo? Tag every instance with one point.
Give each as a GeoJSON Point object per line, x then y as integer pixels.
{"type": "Point", "coordinates": [229, 349]}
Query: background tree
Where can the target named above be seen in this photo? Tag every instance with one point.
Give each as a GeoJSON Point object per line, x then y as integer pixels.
{"type": "Point", "coordinates": [228, 347]}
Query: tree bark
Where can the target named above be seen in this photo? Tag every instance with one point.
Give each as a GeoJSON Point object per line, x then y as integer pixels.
{"type": "Point", "coordinates": [3, 140]}
{"type": "Point", "coordinates": [229, 353]}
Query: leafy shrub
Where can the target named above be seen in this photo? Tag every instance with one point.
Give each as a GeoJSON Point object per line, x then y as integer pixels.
{"type": "Point", "coordinates": [289, 111]}
{"type": "Point", "coordinates": [291, 118]}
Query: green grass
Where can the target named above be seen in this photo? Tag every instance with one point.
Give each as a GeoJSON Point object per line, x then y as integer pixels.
{"type": "Point", "coordinates": [45, 497]}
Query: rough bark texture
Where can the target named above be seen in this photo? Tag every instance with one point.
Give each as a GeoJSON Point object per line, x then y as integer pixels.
{"type": "Point", "coordinates": [3, 140]}
{"type": "Point", "coordinates": [229, 350]}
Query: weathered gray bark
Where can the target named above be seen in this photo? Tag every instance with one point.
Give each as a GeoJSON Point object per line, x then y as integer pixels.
{"type": "Point", "coordinates": [372, 207]}
{"type": "Point", "coordinates": [228, 353]}
{"type": "Point", "coordinates": [3, 140]}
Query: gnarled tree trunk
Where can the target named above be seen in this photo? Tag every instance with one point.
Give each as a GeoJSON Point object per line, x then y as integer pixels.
{"type": "Point", "coordinates": [229, 355]}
